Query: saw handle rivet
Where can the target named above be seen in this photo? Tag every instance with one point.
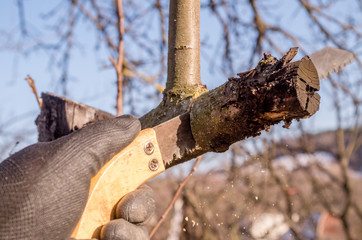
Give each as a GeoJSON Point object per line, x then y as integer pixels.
{"type": "Point", "coordinates": [153, 164]}
{"type": "Point", "coordinates": [149, 148]}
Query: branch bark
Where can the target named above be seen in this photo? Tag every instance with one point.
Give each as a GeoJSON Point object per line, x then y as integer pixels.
{"type": "Point", "coordinates": [246, 105]}
{"type": "Point", "coordinates": [242, 107]}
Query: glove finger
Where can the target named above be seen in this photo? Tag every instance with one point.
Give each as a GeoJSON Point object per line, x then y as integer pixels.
{"type": "Point", "coordinates": [137, 206]}
{"type": "Point", "coordinates": [120, 229]}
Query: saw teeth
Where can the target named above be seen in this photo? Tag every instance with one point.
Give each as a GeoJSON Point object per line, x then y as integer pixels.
{"type": "Point", "coordinates": [324, 60]}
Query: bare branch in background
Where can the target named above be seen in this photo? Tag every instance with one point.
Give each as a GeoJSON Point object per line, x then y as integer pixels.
{"type": "Point", "coordinates": [163, 42]}
{"type": "Point", "coordinates": [269, 153]}
{"type": "Point", "coordinates": [97, 21]}
{"type": "Point", "coordinates": [176, 195]}
{"type": "Point", "coordinates": [119, 65]}
{"type": "Point", "coordinates": [69, 41]}
{"type": "Point", "coordinates": [313, 13]}
{"type": "Point", "coordinates": [33, 89]}
{"type": "Point", "coordinates": [21, 13]}
{"type": "Point", "coordinates": [226, 36]}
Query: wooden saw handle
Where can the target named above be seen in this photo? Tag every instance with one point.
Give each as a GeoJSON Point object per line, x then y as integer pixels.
{"type": "Point", "coordinates": [122, 174]}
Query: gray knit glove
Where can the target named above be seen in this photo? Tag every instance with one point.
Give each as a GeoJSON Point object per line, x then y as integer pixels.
{"type": "Point", "coordinates": [44, 187]}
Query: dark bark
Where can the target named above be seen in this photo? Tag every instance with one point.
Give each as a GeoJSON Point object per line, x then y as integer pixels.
{"type": "Point", "coordinates": [259, 98]}
{"type": "Point", "coordinates": [60, 116]}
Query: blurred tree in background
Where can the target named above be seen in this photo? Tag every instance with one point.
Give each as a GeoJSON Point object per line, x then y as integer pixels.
{"type": "Point", "coordinates": [288, 182]}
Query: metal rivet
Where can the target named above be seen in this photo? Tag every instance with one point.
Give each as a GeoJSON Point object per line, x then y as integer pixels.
{"type": "Point", "coordinates": [149, 148]}
{"type": "Point", "coordinates": [153, 164]}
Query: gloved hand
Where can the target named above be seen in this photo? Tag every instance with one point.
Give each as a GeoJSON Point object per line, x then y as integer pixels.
{"type": "Point", "coordinates": [132, 211]}
{"type": "Point", "coordinates": [44, 187]}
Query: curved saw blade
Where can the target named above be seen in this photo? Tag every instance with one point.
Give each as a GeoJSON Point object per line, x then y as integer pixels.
{"type": "Point", "coordinates": [329, 60]}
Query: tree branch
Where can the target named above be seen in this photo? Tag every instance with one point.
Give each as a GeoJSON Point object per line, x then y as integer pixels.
{"type": "Point", "coordinates": [33, 89]}
{"type": "Point", "coordinates": [119, 65]}
{"type": "Point", "coordinates": [183, 68]}
{"type": "Point", "coordinates": [244, 106]}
